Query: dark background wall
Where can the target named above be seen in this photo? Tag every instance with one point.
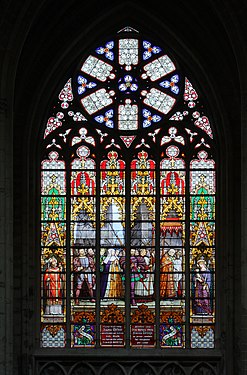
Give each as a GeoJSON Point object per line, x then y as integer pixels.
{"type": "Point", "coordinates": [40, 44]}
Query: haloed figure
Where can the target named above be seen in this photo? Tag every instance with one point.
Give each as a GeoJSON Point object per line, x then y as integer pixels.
{"type": "Point", "coordinates": [202, 284]}
{"type": "Point", "coordinates": [144, 287]}
{"type": "Point", "coordinates": [53, 287]}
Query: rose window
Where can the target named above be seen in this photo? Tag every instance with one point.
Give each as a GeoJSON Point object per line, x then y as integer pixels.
{"type": "Point", "coordinates": [128, 204]}
{"type": "Point", "coordinates": [124, 72]}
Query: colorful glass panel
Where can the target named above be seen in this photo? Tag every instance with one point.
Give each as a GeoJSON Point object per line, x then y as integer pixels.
{"type": "Point", "coordinates": [202, 337]}
{"type": "Point", "coordinates": [172, 327]}
{"type": "Point", "coordinates": [53, 336]}
{"type": "Point", "coordinates": [142, 252]}
{"type": "Point", "coordinates": [82, 240]}
{"type": "Point", "coordinates": [112, 251]}
{"type": "Point", "coordinates": [53, 251]}
{"type": "Point", "coordinates": [149, 50]}
{"type": "Point", "coordinates": [128, 205]}
{"type": "Point", "coordinates": [107, 50]}
{"type": "Point", "coordinates": [202, 254]}
{"type": "Point", "coordinates": [172, 252]}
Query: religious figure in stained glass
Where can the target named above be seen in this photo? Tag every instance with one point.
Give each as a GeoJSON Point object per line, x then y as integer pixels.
{"type": "Point", "coordinates": [139, 209]}
{"type": "Point", "coordinates": [83, 269]}
{"type": "Point", "coordinates": [144, 288]}
{"type": "Point", "coordinates": [111, 280]}
{"type": "Point", "coordinates": [137, 266]}
{"type": "Point", "coordinates": [53, 288]}
{"type": "Point", "coordinates": [202, 288]}
{"type": "Point", "coordinates": [167, 283]}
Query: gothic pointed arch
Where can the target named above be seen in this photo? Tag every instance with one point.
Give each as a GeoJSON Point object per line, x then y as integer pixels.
{"type": "Point", "coordinates": [82, 369]}
{"type": "Point", "coordinates": [142, 368]}
{"type": "Point", "coordinates": [128, 192]}
{"type": "Point", "coordinates": [112, 368]}
{"type": "Point", "coordinates": [203, 369]}
{"type": "Point", "coordinates": [52, 369]}
{"type": "Point", "coordinates": [172, 369]}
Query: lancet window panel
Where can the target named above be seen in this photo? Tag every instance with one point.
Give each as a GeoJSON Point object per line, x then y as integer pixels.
{"type": "Point", "coordinates": [128, 204]}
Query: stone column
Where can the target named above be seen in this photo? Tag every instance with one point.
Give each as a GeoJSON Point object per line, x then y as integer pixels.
{"type": "Point", "coordinates": [6, 236]}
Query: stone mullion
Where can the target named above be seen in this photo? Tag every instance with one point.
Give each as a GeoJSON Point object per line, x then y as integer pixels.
{"type": "Point", "coordinates": [6, 243]}
{"type": "Point", "coordinates": [68, 253]}
{"type": "Point", "coordinates": [127, 251]}
{"type": "Point", "coordinates": [187, 254]}
{"type": "Point", "coordinates": [98, 300]}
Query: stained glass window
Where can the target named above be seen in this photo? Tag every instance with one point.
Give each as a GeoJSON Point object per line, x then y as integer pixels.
{"type": "Point", "coordinates": [128, 202]}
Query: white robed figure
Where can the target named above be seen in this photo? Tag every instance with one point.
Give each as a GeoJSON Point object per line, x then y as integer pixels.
{"type": "Point", "coordinates": [111, 281]}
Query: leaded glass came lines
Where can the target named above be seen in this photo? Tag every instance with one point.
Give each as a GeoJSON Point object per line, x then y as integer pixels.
{"type": "Point", "coordinates": [128, 204]}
